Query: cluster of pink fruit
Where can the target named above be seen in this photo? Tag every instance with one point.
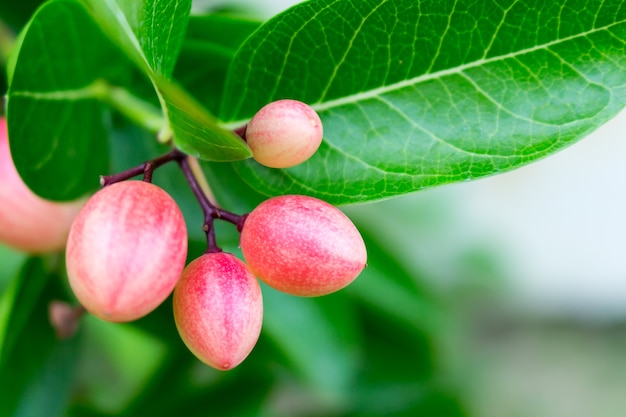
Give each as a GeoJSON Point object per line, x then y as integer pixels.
{"type": "Point", "coordinates": [127, 247]}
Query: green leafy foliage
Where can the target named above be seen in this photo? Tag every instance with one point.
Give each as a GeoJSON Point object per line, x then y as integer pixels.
{"type": "Point", "coordinates": [37, 368]}
{"type": "Point", "coordinates": [419, 94]}
{"type": "Point", "coordinates": [412, 95]}
{"type": "Point", "coordinates": [151, 34]}
{"type": "Point", "coordinates": [64, 82]}
{"type": "Point", "coordinates": [209, 47]}
{"type": "Point", "coordinates": [55, 115]}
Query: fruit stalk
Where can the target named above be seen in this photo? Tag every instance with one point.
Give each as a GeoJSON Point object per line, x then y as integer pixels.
{"type": "Point", "coordinates": [147, 168]}
{"type": "Point", "coordinates": [210, 211]}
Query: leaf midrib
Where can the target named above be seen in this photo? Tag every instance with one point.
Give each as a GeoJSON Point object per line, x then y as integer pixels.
{"type": "Point", "coordinates": [376, 92]}
{"type": "Point", "coordinates": [94, 90]}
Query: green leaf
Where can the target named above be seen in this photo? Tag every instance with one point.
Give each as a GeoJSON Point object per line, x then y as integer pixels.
{"type": "Point", "coordinates": [420, 94]}
{"type": "Point", "coordinates": [195, 129]}
{"type": "Point", "coordinates": [151, 32]}
{"type": "Point", "coordinates": [61, 85]}
{"type": "Point", "coordinates": [54, 110]}
{"type": "Point", "coordinates": [37, 368]}
{"type": "Point", "coordinates": [209, 47]}
{"type": "Point", "coordinates": [314, 341]}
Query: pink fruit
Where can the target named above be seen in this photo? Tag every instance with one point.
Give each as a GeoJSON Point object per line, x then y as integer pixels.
{"type": "Point", "coordinates": [284, 133]}
{"type": "Point", "coordinates": [28, 222]}
{"type": "Point", "coordinates": [126, 250]}
{"type": "Point", "coordinates": [218, 309]}
{"type": "Point", "coordinates": [302, 246]}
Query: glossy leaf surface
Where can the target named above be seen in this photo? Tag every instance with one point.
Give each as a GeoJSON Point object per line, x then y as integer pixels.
{"type": "Point", "coordinates": [420, 94]}
{"type": "Point", "coordinates": [62, 82]}
{"type": "Point", "coordinates": [55, 113]}
{"type": "Point", "coordinates": [151, 34]}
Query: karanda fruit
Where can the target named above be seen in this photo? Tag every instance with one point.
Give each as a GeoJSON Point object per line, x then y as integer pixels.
{"type": "Point", "coordinates": [126, 250]}
{"type": "Point", "coordinates": [302, 245]}
{"type": "Point", "coordinates": [28, 222]}
{"type": "Point", "coordinates": [284, 133]}
{"type": "Point", "coordinates": [218, 309]}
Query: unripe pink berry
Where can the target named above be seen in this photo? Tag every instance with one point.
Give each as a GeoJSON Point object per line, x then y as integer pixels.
{"type": "Point", "coordinates": [218, 309]}
{"type": "Point", "coordinates": [27, 221]}
{"type": "Point", "coordinates": [126, 250]}
{"type": "Point", "coordinates": [302, 246]}
{"type": "Point", "coordinates": [284, 133]}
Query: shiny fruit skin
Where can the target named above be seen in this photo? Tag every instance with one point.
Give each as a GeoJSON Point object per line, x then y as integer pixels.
{"type": "Point", "coordinates": [302, 246]}
{"type": "Point", "coordinates": [28, 222]}
{"type": "Point", "coordinates": [284, 133]}
{"type": "Point", "coordinates": [218, 309]}
{"type": "Point", "coordinates": [126, 250]}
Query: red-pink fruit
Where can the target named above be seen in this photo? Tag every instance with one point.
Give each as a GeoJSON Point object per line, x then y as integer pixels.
{"type": "Point", "coordinates": [218, 309]}
{"type": "Point", "coordinates": [302, 246]}
{"type": "Point", "coordinates": [284, 133]}
{"type": "Point", "coordinates": [126, 250]}
{"type": "Point", "coordinates": [28, 222]}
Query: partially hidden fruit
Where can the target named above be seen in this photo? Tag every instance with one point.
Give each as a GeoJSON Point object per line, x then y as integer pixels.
{"type": "Point", "coordinates": [302, 246]}
{"type": "Point", "coordinates": [28, 222]}
{"type": "Point", "coordinates": [126, 250]}
{"type": "Point", "coordinates": [284, 133]}
{"type": "Point", "coordinates": [218, 309]}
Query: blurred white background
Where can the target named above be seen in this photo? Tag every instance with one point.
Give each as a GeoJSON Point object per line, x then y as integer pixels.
{"type": "Point", "coordinates": [565, 222]}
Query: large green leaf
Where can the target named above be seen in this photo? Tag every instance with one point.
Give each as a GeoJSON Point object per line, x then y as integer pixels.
{"type": "Point", "coordinates": [62, 81]}
{"type": "Point", "coordinates": [418, 94]}
{"type": "Point", "coordinates": [55, 113]}
{"type": "Point", "coordinates": [151, 32]}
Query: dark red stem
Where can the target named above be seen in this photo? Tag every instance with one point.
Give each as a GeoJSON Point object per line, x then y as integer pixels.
{"type": "Point", "coordinates": [241, 132]}
{"type": "Point", "coordinates": [147, 168]}
{"type": "Point", "coordinates": [210, 211]}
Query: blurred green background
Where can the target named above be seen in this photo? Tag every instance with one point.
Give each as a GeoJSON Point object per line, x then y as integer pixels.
{"type": "Point", "coordinates": [504, 297]}
{"type": "Point", "coordinates": [501, 297]}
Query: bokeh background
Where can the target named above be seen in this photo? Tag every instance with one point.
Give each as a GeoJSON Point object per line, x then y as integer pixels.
{"type": "Point", "coordinates": [523, 314]}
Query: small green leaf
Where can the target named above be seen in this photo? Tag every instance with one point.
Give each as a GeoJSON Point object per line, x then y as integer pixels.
{"type": "Point", "coordinates": [195, 129]}
{"type": "Point", "coordinates": [420, 94]}
{"type": "Point", "coordinates": [36, 367]}
{"type": "Point", "coordinates": [150, 33]}
{"type": "Point", "coordinates": [55, 113]}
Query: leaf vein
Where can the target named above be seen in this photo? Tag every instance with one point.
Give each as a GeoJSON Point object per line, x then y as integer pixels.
{"type": "Point", "coordinates": [349, 49]}
{"type": "Point", "coordinates": [321, 106]}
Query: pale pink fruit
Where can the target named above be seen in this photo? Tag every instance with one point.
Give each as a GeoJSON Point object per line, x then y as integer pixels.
{"type": "Point", "coordinates": [302, 246]}
{"type": "Point", "coordinates": [28, 222]}
{"type": "Point", "coordinates": [126, 250]}
{"type": "Point", "coordinates": [284, 133]}
{"type": "Point", "coordinates": [218, 309]}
